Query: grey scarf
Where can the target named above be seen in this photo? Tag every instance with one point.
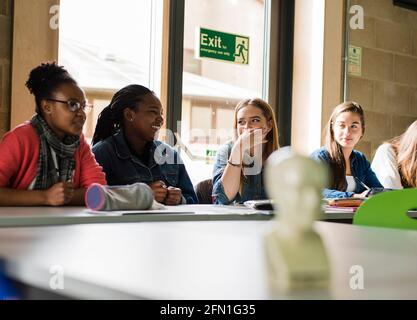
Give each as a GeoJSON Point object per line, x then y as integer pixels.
{"type": "Point", "coordinates": [47, 174]}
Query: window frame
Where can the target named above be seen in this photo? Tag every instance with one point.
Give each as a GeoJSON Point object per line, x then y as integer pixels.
{"type": "Point", "coordinates": [277, 69]}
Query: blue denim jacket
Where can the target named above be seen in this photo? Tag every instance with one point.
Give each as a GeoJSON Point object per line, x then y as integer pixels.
{"type": "Point", "coordinates": [252, 189]}
{"type": "Point", "coordinates": [121, 167]}
{"type": "Point", "coordinates": [361, 170]}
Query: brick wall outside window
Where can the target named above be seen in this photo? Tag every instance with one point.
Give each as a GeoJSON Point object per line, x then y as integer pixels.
{"type": "Point", "coordinates": [387, 88]}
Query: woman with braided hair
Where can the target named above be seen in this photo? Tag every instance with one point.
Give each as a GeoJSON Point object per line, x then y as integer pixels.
{"type": "Point", "coordinates": [46, 161]}
{"type": "Point", "coordinates": [125, 144]}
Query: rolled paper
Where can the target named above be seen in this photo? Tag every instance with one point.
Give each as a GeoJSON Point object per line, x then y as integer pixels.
{"type": "Point", "coordinates": [138, 196]}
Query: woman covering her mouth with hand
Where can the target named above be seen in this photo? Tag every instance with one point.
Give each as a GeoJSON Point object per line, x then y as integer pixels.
{"type": "Point", "coordinates": [124, 144]}
{"type": "Point", "coordinates": [46, 161]}
{"type": "Point", "coordinates": [238, 170]}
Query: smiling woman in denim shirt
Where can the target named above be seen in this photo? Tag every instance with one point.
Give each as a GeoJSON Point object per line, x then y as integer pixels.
{"type": "Point", "coordinates": [352, 173]}
{"type": "Point", "coordinates": [237, 175]}
{"type": "Point", "coordinates": [125, 146]}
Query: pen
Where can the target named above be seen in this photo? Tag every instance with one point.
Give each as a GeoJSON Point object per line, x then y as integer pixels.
{"type": "Point", "coordinates": [362, 184]}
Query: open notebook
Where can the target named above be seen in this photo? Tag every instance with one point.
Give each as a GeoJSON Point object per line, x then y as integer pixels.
{"type": "Point", "coordinates": [340, 205]}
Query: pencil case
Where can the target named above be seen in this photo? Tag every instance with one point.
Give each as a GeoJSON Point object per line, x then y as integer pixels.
{"type": "Point", "coordinates": [138, 196]}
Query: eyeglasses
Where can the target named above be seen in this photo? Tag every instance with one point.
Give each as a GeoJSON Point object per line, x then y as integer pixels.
{"type": "Point", "coordinates": [74, 105]}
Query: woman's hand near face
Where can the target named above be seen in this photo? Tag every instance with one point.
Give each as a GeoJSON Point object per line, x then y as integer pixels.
{"type": "Point", "coordinates": [247, 141]}
{"type": "Point", "coordinates": [59, 194]}
{"type": "Point", "coordinates": [251, 138]}
{"type": "Point", "coordinates": [159, 190]}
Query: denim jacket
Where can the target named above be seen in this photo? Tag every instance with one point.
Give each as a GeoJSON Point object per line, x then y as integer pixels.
{"type": "Point", "coordinates": [361, 170]}
{"type": "Point", "coordinates": [252, 189]}
{"type": "Point", "coordinates": [164, 163]}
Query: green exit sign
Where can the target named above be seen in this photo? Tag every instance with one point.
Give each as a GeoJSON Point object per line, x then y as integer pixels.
{"type": "Point", "coordinates": [210, 153]}
{"type": "Point", "coordinates": [222, 46]}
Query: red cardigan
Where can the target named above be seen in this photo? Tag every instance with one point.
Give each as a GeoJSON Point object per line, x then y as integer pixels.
{"type": "Point", "coordinates": [19, 154]}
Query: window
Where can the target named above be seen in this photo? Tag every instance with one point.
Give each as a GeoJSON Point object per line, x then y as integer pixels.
{"type": "Point", "coordinates": [212, 87]}
{"type": "Point", "coordinates": [109, 44]}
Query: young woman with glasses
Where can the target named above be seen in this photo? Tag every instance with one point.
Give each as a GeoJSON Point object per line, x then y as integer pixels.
{"type": "Point", "coordinates": [46, 161]}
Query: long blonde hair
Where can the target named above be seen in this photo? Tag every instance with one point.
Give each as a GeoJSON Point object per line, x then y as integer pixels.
{"type": "Point", "coordinates": [269, 114]}
{"type": "Point", "coordinates": [405, 148]}
{"type": "Point", "coordinates": [337, 159]}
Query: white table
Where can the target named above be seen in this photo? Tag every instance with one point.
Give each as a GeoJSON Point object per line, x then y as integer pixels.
{"type": "Point", "coordinates": [200, 260]}
{"type": "Point", "coordinates": [48, 216]}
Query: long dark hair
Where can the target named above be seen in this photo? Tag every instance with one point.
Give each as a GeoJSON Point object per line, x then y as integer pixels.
{"type": "Point", "coordinates": [337, 159]}
{"type": "Point", "coordinates": [45, 79]}
{"type": "Point", "coordinates": [111, 118]}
